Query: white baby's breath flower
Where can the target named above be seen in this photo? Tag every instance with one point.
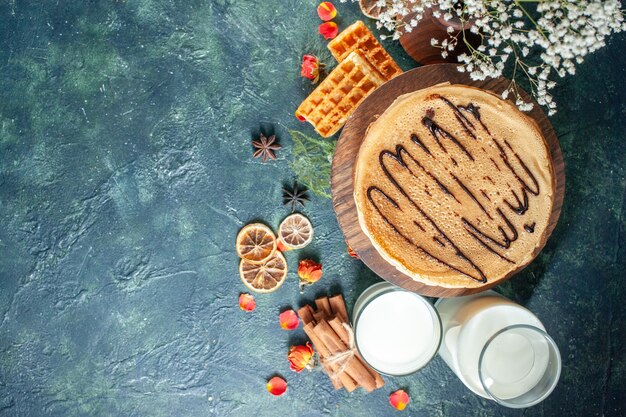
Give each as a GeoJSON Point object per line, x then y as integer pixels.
{"type": "Point", "coordinates": [562, 34]}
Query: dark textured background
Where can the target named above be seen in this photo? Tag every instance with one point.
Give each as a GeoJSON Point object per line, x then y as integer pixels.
{"type": "Point", "coordinates": [126, 172]}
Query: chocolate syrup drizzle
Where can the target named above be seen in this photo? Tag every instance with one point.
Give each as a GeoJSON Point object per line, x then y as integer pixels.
{"type": "Point", "coordinates": [469, 119]}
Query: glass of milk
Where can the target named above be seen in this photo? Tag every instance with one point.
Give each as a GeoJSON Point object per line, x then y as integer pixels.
{"type": "Point", "coordinates": [397, 332]}
{"type": "Point", "coordinates": [498, 349]}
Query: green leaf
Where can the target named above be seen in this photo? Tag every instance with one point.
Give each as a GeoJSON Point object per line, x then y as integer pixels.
{"type": "Point", "coordinates": [312, 159]}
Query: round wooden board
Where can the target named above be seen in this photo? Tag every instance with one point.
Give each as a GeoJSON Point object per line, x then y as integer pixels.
{"type": "Point", "coordinates": [342, 185]}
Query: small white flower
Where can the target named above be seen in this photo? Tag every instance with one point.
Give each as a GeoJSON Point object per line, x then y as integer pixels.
{"type": "Point", "coordinates": [564, 32]}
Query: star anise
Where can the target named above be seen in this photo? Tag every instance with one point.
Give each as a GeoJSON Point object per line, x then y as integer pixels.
{"type": "Point", "coordinates": [265, 147]}
{"type": "Point", "coordinates": [295, 196]}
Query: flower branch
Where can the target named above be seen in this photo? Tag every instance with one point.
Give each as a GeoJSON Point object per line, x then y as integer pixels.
{"type": "Point", "coordinates": [533, 40]}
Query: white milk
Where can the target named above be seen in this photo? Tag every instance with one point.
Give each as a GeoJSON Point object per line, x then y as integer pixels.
{"type": "Point", "coordinates": [515, 362]}
{"type": "Point", "coordinates": [397, 332]}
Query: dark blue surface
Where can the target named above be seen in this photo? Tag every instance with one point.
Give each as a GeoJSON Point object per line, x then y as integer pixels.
{"type": "Point", "coordinates": [126, 172]}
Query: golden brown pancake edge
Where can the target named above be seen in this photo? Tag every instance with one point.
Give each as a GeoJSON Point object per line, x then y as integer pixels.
{"type": "Point", "coordinates": [385, 133]}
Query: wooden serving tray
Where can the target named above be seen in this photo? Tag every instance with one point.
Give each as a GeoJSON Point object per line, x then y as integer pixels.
{"type": "Point", "coordinates": [342, 185]}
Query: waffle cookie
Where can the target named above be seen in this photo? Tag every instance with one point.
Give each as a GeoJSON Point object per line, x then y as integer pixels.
{"type": "Point", "coordinates": [328, 107]}
{"type": "Point", "coordinates": [358, 37]}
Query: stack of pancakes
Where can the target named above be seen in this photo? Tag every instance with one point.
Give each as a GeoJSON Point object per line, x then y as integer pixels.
{"type": "Point", "coordinates": [454, 186]}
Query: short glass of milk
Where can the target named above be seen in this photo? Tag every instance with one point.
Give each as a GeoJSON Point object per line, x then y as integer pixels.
{"type": "Point", "coordinates": [397, 332]}
{"type": "Point", "coordinates": [498, 349]}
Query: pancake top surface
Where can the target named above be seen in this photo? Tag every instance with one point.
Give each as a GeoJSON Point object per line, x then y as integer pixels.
{"type": "Point", "coordinates": [454, 186]}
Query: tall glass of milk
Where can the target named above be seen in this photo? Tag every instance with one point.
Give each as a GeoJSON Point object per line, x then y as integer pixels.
{"type": "Point", "coordinates": [396, 332]}
{"type": "Point", "coordinates": [498, 349]}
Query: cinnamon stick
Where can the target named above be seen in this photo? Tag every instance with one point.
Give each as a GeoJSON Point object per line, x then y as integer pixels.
{"type": "Point", "coordinates": [337, 326]}
{"type": "Point", "coordinates": [342, 379]}
{"type": "Point", "coordinates": [323, 305]}
{"type": "Point", "coordinates": [338, 307]}
{"type": "Point", "coordinates": [325, 329]}
{"type": "Point", "coordinates": [306, 314]}
{"type": "Point", "coordinates": [353, 367]}
{"type": "Point", "coordinates": [318, 316]}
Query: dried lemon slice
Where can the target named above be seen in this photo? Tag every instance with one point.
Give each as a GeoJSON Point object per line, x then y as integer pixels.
{"type": "Point", "coordinates": [256, 243]}
{"type": "Point", "coordinates": [264, 277]}
{"type": "Point", "coordinates": [295, 232]}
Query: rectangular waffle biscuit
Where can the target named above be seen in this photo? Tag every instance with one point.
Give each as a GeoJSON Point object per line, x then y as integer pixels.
{"type": "Point", "coordinates": [358, 37]}
{"type": "Point", "coordinates": [328, 107]}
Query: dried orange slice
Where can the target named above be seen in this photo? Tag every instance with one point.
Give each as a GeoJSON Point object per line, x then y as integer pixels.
{"type": "Point", "coordinates": [264, 277]}
{"type": "Point", "coordinates": [295, 232]}
{"type": "Point", "coordinates": [256, 243]}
